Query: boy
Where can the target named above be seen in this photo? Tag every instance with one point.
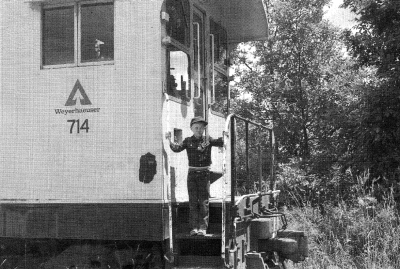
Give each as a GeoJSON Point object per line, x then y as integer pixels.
{"type": "Point", "coordinates": [198, 148]}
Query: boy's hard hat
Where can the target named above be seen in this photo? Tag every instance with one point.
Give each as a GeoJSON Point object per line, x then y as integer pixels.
{"type": "Point", "coordinates": [197, 120]}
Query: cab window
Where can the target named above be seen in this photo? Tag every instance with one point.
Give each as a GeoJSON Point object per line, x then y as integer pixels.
{"type": "Point", "coordinates": [178, 74]}
{"type": "Point", "coordinates": [77, 34]}
{"type": "Point", "coordinates": [220, 103]}
{"type": "Point", "coordinates": [97, 32]}
{"type": "Point", "coordinates": [218, 74]}
{"type": "Point", "coordinates": [178, 26]}
{"type": "Point", "coordinates": [178, 60]}
{"type": "Point", "coordinates": [58, 35]}
{"type": "Point", "coordinates": [220, 44]}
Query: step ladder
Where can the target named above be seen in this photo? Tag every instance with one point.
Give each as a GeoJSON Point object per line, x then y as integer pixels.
{"type": "Point", "coordinates": [198, 251]}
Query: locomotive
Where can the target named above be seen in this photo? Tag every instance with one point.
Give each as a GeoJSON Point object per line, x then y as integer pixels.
{"type": "Point", "coordinates": [88, 91]}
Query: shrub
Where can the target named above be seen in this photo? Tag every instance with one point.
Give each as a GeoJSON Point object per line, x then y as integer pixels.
{"type": "Point", "coordinates": [299, 188]}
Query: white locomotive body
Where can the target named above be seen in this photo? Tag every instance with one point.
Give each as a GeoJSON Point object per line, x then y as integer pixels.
{"type": "Point", "coordinates": [89, 89]}
{"type": "Point", "coordinates": [85, 95]}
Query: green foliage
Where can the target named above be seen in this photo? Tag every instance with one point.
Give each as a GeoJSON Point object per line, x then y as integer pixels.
{"type": "Point", "coordinates": [378, 144]}
{"type": "Point", "coordinates": [363, 235]}
{"type": "Point", "coordinates": [299, 188]}
{"type": "Point", "coordinates": [375, 42]}
{"type": "Point", "coordinates": [337, 123]}
{"type": "Point", "coordinates": [330, 112]}
{"type": "Point", "coordinates": [350, 230]}
{"type": "Point", "coordinates": [301, 80]}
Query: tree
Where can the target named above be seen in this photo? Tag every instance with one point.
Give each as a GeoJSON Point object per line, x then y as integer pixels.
{"type": "Point", "coordinates": [375, 43]}
{"type": "Point", "coordinates": [303, 81]}
{"type": "Point", "coordinates": [300, 79]}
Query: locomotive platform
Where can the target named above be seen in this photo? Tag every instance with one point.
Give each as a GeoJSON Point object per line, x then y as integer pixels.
{"type": "Point", "coordinates": [197, 237]}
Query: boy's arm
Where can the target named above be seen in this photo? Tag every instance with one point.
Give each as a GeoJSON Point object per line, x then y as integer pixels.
{"type": "Point", "coordinates": [175, 147]}
{"type": "Point", "coordinates": [219, 142]}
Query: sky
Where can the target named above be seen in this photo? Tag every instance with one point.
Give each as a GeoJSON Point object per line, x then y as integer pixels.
{"type": "Point", "coordinates": [340, 17]}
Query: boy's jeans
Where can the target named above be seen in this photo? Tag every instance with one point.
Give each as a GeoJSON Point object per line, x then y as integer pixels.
{"type": "Point", "coordinates": [198, 184]}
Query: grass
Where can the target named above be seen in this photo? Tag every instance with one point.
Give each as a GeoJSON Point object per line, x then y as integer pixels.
{"type": "Point", "coordinates": [349, 236]}
{"type": "Point", "coordinates": [347, 227]}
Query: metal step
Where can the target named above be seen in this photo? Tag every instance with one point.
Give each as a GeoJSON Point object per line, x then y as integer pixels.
{"type": "Point", "coordinates": [184, 228]}
{"type": "Point", "coordinates": [203, 262]}
{"type": "Point", "coordinates": [198, 237]}
{"type": "Point", "coordinates": [209, 245]}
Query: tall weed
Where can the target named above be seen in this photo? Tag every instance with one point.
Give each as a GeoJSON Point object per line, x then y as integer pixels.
{"type": "Point", "coordinates": [349, 236]}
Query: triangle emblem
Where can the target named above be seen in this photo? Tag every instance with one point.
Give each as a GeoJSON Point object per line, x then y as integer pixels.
{"type": "Point", "coordinates": [72, 99]}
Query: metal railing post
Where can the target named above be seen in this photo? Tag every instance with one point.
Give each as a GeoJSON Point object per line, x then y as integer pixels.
{"type": "Point", "coordinates": [272, 175]}
{"type": "Point", "coordinates": [246, 124]}
{"type": "Point", "coordinates": [233, 163]}
{"type": "Point", "coordinates": [259, 168]}
{"type": "Point", "coordinates": [260, 188]}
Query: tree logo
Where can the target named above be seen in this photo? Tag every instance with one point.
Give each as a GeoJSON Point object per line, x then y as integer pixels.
{"type": "Point", "coordinates": [82, 96]}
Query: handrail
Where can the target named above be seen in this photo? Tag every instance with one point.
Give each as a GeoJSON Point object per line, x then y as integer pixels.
{"type": "Point", "coordinates": [230, 131]}
{"type": "Point", "coordinates": [212, 70]}
{"type": "Point", "coordinates": [198, 61]}
{"type": "Point", "coordinates": [171, 257]}
{"type": "Point", "coordinates": [233, 115]}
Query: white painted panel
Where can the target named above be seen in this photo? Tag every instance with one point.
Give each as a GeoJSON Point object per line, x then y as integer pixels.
{"type": "Point", "coordinates": [39, 158]}
{"type": "Point", "coordinates": [176, 115]}
{"type": "Point", "coordinates": [216, 128]}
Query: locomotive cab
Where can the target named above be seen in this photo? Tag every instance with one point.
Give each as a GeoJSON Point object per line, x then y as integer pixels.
{"type": "Point", "coordinates": [88, 90]}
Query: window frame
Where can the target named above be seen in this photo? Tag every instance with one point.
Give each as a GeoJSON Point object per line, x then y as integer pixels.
{"type": "Point", "coordinates": [189, 41]}
{"type": "Point", "coordinates": [224, 65]}
{"type": "Point", "coordinates": [200, 93]}
{"type": "Point", "coordinates": [213, 111]}
{"type": "Point", "coordinates": [77, 34]}
{"type": "Point", "coordinates": [222, 69]}
{"type": "Point", "coordinates": [185, 100]}
{"type": "Point", "coordinates": [49, 7]}
{"type": "Point", "coordinates": [79, 30]}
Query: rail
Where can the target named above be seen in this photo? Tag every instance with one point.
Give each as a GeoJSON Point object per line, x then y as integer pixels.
{"type": "Point", "coordinates": [230, 130]}
{"type": "Point", "coordinates": [230, 138]}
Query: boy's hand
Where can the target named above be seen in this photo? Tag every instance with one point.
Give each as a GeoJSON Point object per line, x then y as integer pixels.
{"type": "Point", "coordinates": [168, 136]}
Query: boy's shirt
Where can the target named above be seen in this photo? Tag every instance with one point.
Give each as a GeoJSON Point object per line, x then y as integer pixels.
{"type": "Point", "coordinates": [199, 153]}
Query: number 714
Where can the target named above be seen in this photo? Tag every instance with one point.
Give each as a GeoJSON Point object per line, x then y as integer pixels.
{"type": "Point", "coordinates": [84, 126]}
